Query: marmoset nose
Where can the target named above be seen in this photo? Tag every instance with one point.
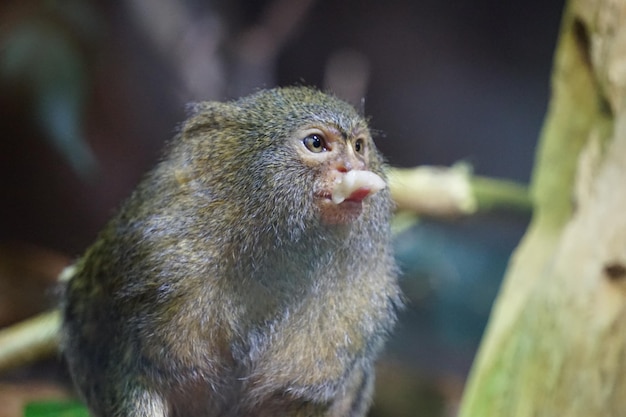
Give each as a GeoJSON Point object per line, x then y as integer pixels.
{"type": "Point", "coordinates": [344, 167]}
{"type": "Point", "coordinates": [348, 164]}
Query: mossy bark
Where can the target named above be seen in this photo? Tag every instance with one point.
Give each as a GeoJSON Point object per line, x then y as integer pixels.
{"type": "Point", "coordinates": [556, 341]}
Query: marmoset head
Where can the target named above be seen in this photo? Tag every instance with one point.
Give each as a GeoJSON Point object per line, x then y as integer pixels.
{"type": "Point", "coordinates": [294, 150]}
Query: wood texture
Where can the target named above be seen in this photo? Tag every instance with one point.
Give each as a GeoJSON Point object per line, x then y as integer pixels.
{"type": "Point", "coordinates": [556, 341]}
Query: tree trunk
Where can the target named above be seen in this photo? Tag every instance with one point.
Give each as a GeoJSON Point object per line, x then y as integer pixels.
{"type": "Point", "coordinates": [556, 341]}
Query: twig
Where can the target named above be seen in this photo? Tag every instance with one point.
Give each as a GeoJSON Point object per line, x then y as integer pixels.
{"type": "Point", "coordinates": [453, 192]}
{"type": "Point", "coordinates": [431, 191]}
{"type": "Point", "coordinates": [30, 340]}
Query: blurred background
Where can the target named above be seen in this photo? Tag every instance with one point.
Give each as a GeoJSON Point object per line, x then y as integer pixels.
{"type": "Point", "coordinates": [90, 90]}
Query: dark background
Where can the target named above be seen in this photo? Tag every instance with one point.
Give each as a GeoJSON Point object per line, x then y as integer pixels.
{"type": "Point", "coordinates": [90, 91]}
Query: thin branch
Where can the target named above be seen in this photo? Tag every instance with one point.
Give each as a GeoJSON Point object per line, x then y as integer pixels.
{"type": "Point", "coordinates": [30, 340]}
{"type": "Point", "coordinates": [453, 192]}
{"type": "Point", "coordinates": [426, 190]}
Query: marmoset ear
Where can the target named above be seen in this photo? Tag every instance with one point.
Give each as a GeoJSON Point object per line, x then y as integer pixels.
{"type": "Point", "coordinates": [209, 115]}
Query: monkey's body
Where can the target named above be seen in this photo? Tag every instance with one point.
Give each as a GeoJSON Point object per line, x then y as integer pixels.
{"type": "Point", "coordinates": [228, 285]}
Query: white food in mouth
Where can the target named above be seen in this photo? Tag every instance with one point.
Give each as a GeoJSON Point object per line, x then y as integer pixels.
{"type": "Point", "coordinates": [352, 181]}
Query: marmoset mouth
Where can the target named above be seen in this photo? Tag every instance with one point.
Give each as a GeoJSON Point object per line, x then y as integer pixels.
{"type": "Point", "coordinates": [356, 197]}
{"type": "Point", "coordinates": [345, 212]}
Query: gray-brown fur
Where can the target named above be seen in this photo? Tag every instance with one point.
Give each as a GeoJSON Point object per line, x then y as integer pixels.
{"type": "Point", "coordinates": [217, 291]}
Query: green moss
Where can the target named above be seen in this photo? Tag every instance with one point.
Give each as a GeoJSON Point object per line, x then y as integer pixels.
{"type": "Point", "coordinates": [572, 114]}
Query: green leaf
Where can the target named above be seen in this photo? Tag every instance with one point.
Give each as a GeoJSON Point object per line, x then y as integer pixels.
{"type": "Point", "coordinates": [55, 409]}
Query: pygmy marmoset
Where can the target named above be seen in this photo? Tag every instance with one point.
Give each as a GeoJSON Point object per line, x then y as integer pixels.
{"type": "Point", "coordinates": [249, 274]}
